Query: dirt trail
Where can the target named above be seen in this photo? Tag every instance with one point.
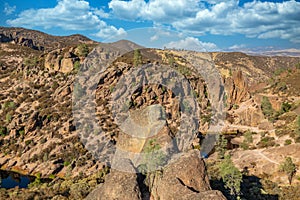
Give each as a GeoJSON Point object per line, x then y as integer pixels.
{"type": "Point", "coordinates": [265, 157]}
{"type": "Point", "coordinates": [245, 128]}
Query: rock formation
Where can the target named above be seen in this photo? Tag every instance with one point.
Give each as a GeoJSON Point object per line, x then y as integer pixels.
{"type": "Point", "coordinates": [184, 179]}
{"type": "Point", "coordinates": [237, 89]}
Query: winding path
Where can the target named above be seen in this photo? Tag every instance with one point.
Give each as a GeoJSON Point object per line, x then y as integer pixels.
{"type": "Point", "coordinates": [265, 157]}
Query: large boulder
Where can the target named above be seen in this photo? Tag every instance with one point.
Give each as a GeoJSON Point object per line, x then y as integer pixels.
{"type": "Point", "coordinates": [185, 178]}
{"type": "Point", "coordinates": [118, 186]}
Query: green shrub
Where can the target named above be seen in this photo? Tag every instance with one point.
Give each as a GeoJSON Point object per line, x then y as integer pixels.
{"type": "Point", "coordinates": [266, 142]}
{"type": "Point", "coordinates": [28, 142]}
{"type": "Point", "coordinates": [55, 85]}
{"type": "Point", "coordinates": [3, 131]}
{"type": "Point", "coordinates": [248, 137]}
{"type": "Point", "coordinates": [22, 132]}
{"type": "Point", "coordinates": [83, 50]}
{"type": "Point", "coordinates": [37, 181]}
{"type": "Point", "coordinates": [267, 108]}
{"type": "Point", "coordinates": [31, 62]}
{"type": "Point", "coordinates": [282, 86]}
{"type": "Point", "coordinates": [77, 66]}
{"type": "Point", "coordinates": [184, 70]}
{"type": "Point", "coordinates": [66, 163]}
{"type": "Point", "coordinates": [9, 105]}
{"type": "Point", "coordinates": [8, 117]}
{"type": "Point", "coordinates": [171, 61]}
{"type": "Point", "coordinates": [279, 71]}
{"type": "Point", "coordinates": [79, 190]}
{"type": "Point", "coordinates": [285, 107]}
{"type": "Point", "coordinates": [235, 106]}
{"type": "Point", "coordinates": [287, 142]}
{"type": "Point", "coordinates": [52, 176]}
{"type": "Point", "coordinates": [244, 145]}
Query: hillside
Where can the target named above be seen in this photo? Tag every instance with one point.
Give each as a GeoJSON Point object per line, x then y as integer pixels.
{"type": "Point", "coordinates": [40, 41]}
{"type": "Point", "coordinates": [69, 105]}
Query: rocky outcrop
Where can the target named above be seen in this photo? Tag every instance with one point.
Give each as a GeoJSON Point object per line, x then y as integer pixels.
{"type": "Point", "coordinates": [27, 43]}
{"type": "Point", "coordinates": [237, 89]}
{"type": "Point", "coordinates": [22, 41]}
{"type": "Point", "coordinates": [186, 178]}
{"type": "Point", "coordinates": [57, 60]}
{"type": "Point", "coordinates": [248, 114]}
{"type": "Point", "coordinates": [118, 186]}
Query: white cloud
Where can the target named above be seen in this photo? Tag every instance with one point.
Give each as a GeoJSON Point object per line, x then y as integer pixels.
{"type": "Point", "coordinates": [237, 47]}
{"type": "Point", "coordinates": [193, 44]}
{"type": "Point", "coordinates": [8, 10]}
{"type": "Point", "coordinates": [130, 10]}
{"type": "Point", "coordinates": [224, 17]}
{"type": "Point", "coordinates": [68, 15]}
{"type": "Point", "coordinates": [154, 10]}
{"type": "Point", "coordinates": [109, 31]}
{"type": "Point", "coordinates": [160, 33]}
{"type": "Point", "coordinates": [101, 13]}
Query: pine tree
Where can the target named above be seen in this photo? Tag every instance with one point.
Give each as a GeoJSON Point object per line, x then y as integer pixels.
{"type": "Point", "coordinates": [137, 57]}
{"type": "Point", "coordinates": [289, 168]}
{"type": "Point", "coordinates": [221, 147]}
{"type": "Point", "coordinates": [231, 176]}
{"type": "Point", "coordinates": [267, 108]}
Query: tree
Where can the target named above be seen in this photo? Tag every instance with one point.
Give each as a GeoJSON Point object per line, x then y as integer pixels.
{"type": "Point", "coordinates": [285, 107]}
{"type": "Point", "coordinates": [221, 146]}
{"type": "Point", "coordinates": [83, 50]}
{"type": "Point", "coordinates": [289, 168]}
{"type": "Point", "coordinates": [267, 108]}
{"type": "Point", "coordinates": [231, 176]}
{"type": "Point", "coordinates": [137, 57]}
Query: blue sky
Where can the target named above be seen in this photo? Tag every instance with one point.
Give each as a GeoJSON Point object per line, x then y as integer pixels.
{"type": "Point", "coordinates": [212, 24]}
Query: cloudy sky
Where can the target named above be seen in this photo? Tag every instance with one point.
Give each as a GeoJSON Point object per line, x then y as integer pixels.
{"type": "Point", "coordinates": [212, 24]}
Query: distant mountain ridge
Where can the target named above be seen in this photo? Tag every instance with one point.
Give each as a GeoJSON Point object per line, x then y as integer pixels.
{"type": "Point", "coordinates": [40, 41]}
{"type": "Point", "coordinates": [126, 45]}
{"type": "Point", "coordinates": [45, 42]}
{"type": "Point", "coordinates": [292, 52]}
{"type": "Point", "coordinates": [281, 52]}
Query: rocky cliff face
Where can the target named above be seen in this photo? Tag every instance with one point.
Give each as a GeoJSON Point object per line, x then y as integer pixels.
{"type": "Point", "coordinates": [237, 89]}
{"type": "Point", "coordinates": [62, 60]}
